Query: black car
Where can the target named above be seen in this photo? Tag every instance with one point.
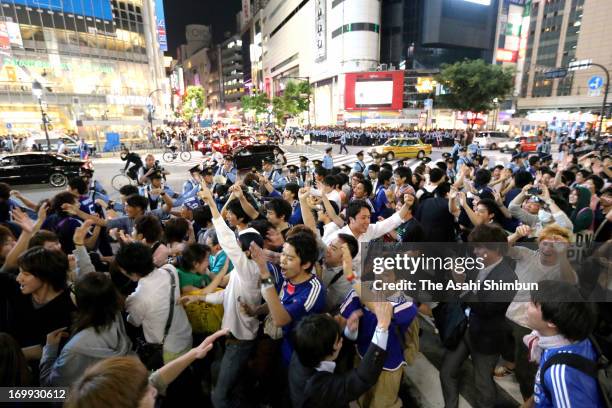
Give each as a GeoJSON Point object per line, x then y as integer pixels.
{"type": "Point", "coordinates": [34, 168]}
{"type": "Point", "coordinates": [247, 157]}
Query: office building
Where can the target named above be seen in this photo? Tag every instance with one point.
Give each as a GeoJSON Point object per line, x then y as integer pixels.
{"type": "Point", "coordinates": [562, 31]}
{"type": "Point", "coordinates": [100, 63]}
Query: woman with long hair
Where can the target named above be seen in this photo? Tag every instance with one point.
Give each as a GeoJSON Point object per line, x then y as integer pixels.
{"type": "Point", "coordinates": [98, 332]}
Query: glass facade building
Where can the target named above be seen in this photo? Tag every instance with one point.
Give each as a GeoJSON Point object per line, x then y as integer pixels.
{"type": "Point", "coordinates": [97, 60]}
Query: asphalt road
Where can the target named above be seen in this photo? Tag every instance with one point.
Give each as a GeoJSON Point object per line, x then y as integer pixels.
{"type": "Point", "coordinates": [106, 168]}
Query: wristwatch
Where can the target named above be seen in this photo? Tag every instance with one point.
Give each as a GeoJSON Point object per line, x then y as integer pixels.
{"type": "Point", "coordinates": [267, 282]}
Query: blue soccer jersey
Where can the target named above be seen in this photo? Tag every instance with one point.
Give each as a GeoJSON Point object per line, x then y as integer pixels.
{"type": "Point", "coordinates": [404, 312]}
{"type": "Point", "coordinates": [299, 301]}
{"type": "Point", "coordinates": [564, 386]}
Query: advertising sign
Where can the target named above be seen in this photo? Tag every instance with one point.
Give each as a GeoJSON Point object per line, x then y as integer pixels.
{"type": "Point", "coordinates": [14, 34]}
{"type": "Point", "coordinates": [160, 20]}
{"type": "Point", "coordinates": [92, 8]}
{"type": "Point", "coordinates": [5, 42]}
{"type": "Point", "coordinates": [380, 90]}
{"type": "Point", "coordinates": [504, 55]}
{"type": "Point", "coordinates": [320, 30]}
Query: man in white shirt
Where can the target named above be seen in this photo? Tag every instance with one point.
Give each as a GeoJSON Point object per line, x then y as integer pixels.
{"type": "Point", "coordinates": [243, 287]}
{"type": "Point", "coordinates": [149, 305]}
{"type": "Point", "coordinates": [358, 214]}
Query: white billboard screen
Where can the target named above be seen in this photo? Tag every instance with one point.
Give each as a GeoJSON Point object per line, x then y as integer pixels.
{"type": "Point", "coordinates": [373, 93]}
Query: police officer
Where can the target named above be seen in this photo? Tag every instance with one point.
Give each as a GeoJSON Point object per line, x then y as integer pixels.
{"type": "Point", "coordinates": [304, 169]}
{"type": "Point", "coordinates": [273, 175]}
{"type": "Point", "coordinates": [328, 161]}
{"type": "Point", "coordinates": [359, 165]}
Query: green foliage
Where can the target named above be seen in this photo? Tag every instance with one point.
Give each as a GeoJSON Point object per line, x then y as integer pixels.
{"type": "Point", "coordinates": [294, 100]}
{"type": "Point", "coordinates": [473, 85]}
{"type": "Point", "coordinates": [257, 102]}
{"type": "Point", "coordinates": [193, 102]}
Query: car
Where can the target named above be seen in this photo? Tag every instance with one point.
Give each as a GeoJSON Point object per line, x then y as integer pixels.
{"type": "Point", "coordinates": [242, 140]}
{"type": "Point", "coordinates": [520, 144]}
{"type": "Point", "coordinates": [71, 144]}
{"type": "Point", "coordinates": [38, 168]}
{"type": "Point", "coordinates": [247, 157]}
{"type": "Point", "coordinates": [402, 147]}
{"type": "Point", "coordinates": [490, 140]}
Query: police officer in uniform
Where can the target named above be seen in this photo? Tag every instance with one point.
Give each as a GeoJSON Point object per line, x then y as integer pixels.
{"type": "Point", "coordinates": [304, 169]}
{"type": "Point", "coordinates": [359, 165]}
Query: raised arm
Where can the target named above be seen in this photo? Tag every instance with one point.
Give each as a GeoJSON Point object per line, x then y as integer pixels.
{"type": "Point", "coordinates": [306, 210]}
{"type": "Point", "coordinates": [28, 229]}
{"type": "Point", "coordinates": [227, 238]}
{"type": "Point", "coordinates": [246, 205]}
{"type": "Point", "coordinates": [26, 201]}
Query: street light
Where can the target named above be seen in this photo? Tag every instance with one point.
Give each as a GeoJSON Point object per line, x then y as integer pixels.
{"type": "Point", "coordinates": [586, 64]}
{"type": "Point", "coordinates": [37, 91]}
{"type": "Point", "coordinates": [151, 108]}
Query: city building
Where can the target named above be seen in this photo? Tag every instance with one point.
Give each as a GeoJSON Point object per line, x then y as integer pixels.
{"type": "Point", "coordinates": [100, 64]}
{"type": "Point", "coordinates": [424, 34]}
{"type": "Point", "coordinates": [231, 71]}
{"type": "Point", "coordinates": [562, 31]}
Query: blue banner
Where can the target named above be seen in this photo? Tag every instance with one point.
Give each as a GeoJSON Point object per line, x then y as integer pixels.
{"type": "Point", "coordinates": [92, 8]}
{"type": "Point", "coordinates": [160, 20]}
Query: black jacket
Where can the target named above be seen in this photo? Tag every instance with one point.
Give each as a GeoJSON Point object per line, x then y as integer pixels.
{"type": "Point", "coordinates": [310, 388]}
{"type": "Point", "coordinates": [487, 322]}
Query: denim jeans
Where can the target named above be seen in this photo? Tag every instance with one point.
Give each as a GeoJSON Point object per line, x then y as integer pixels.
{"type": "Point", "coordinates": [226, 393]}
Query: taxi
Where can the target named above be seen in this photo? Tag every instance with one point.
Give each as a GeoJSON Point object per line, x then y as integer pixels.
{"type": "Point", "coordinates": [402, 147]}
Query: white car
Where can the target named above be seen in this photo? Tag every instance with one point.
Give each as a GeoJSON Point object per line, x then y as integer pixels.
{"type": "Point", "coordinates": [490, 140]}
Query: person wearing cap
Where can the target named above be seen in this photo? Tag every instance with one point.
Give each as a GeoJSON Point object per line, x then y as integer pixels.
{"type": "Point", "coordinates": [243, 288]}
{"type": "Point", "coordinates": [96, 190]}
{"type": "Point", "coordinates": [474, 149]}
{"type": "Point", "coordinates": [293, 177]}
{"type": "Point", "coordinates": [273, 175]}
{"type": "Point", "coordinates": [157, 193]}
{"type": "Point", "coordinates": [194, 180]}
{"type": "Point", "coordinates": [516, 163]}
{"type": "Point", "coordinates": [228, 170]}
{"type": "Point", "coordinates": [463, 159]}
{"type": "Point", "coordinates": [455, 150]}
{"type": "Point", "coordinates": [328, 161]}
{"type": "Point", "coordinates": [304, 169]}
{"type": "Point", "coordinates": [343, 143]}
{"type": "Point", "coordinates": [359, 166]}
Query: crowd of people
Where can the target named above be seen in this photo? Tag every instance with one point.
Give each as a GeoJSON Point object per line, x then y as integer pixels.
{"type": "Point", "coordinates": [243, 290]}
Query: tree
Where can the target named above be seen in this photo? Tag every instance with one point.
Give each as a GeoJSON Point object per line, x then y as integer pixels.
{"type": "Point", "coordinates": [258, 102]}
{"type": "Point", "coordinates": [193, 102]}
{"type": "Point", "coordinates": [473, 85]}
{"type": "Point", "coordinates": [294, 100]}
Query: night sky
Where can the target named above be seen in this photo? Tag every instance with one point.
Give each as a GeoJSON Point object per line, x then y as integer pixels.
{"type": "Point", "coordinates": [221, 14]}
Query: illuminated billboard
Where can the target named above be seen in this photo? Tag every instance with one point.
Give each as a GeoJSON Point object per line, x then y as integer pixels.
{"type": "Point", "coordinates": [92, 8]}
{"type": "Point", "coordinates": [374, 90]}
{"type": "Point", "coordinates": [160, 20]}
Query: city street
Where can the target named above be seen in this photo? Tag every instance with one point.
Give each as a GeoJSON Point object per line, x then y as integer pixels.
{"type": "Point", "coordinates": [107, 167]}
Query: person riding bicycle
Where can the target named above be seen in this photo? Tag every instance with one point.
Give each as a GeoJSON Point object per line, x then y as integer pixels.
{"type": "Point", "coordinates": [131, 158]}
{"type": "Point", "coordinates": [174, 144]}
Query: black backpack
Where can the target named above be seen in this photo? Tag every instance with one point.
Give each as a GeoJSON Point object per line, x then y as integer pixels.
{"type": "Point", "coordinates": [601, 370]}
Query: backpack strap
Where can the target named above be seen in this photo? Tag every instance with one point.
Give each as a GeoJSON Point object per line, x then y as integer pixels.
{"type": "Point", "coordinates": [583, 364]}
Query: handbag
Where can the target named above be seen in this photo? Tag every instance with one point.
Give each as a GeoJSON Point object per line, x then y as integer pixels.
{"type": "Point", "coordinates": [451, 323]}
{"type": "Point", "coordinates": [152, 354]}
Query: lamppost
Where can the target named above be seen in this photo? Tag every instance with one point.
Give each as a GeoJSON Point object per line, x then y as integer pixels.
{"type": "Point", "coordinates": [586, 64]}
{"type": "Point", "coordinates": [307, 79]}
{"type": "Point", "coordinates": [152, 109]}
{"type": "Point", "coordinates": [37, 91]}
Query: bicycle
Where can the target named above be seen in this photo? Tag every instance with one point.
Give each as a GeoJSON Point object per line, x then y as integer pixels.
{"type": "Point", "coordinates": [122, 179]}
{"type": "Point", "coordinates": [170, 155]}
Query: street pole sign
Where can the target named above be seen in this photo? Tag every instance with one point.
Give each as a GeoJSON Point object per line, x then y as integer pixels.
{"type": "Point", "coordinates": [580, 64]}
{"type": "Point", "coordinates": [555, 73]}
{"type": "Point", "coordinates": [595, 82]}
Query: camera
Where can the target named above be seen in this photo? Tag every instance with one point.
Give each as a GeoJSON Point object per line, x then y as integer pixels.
{"type": "Point", "coordinates": [158, 167]}
{"type": "Point", "coordinates": [534, 191]}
